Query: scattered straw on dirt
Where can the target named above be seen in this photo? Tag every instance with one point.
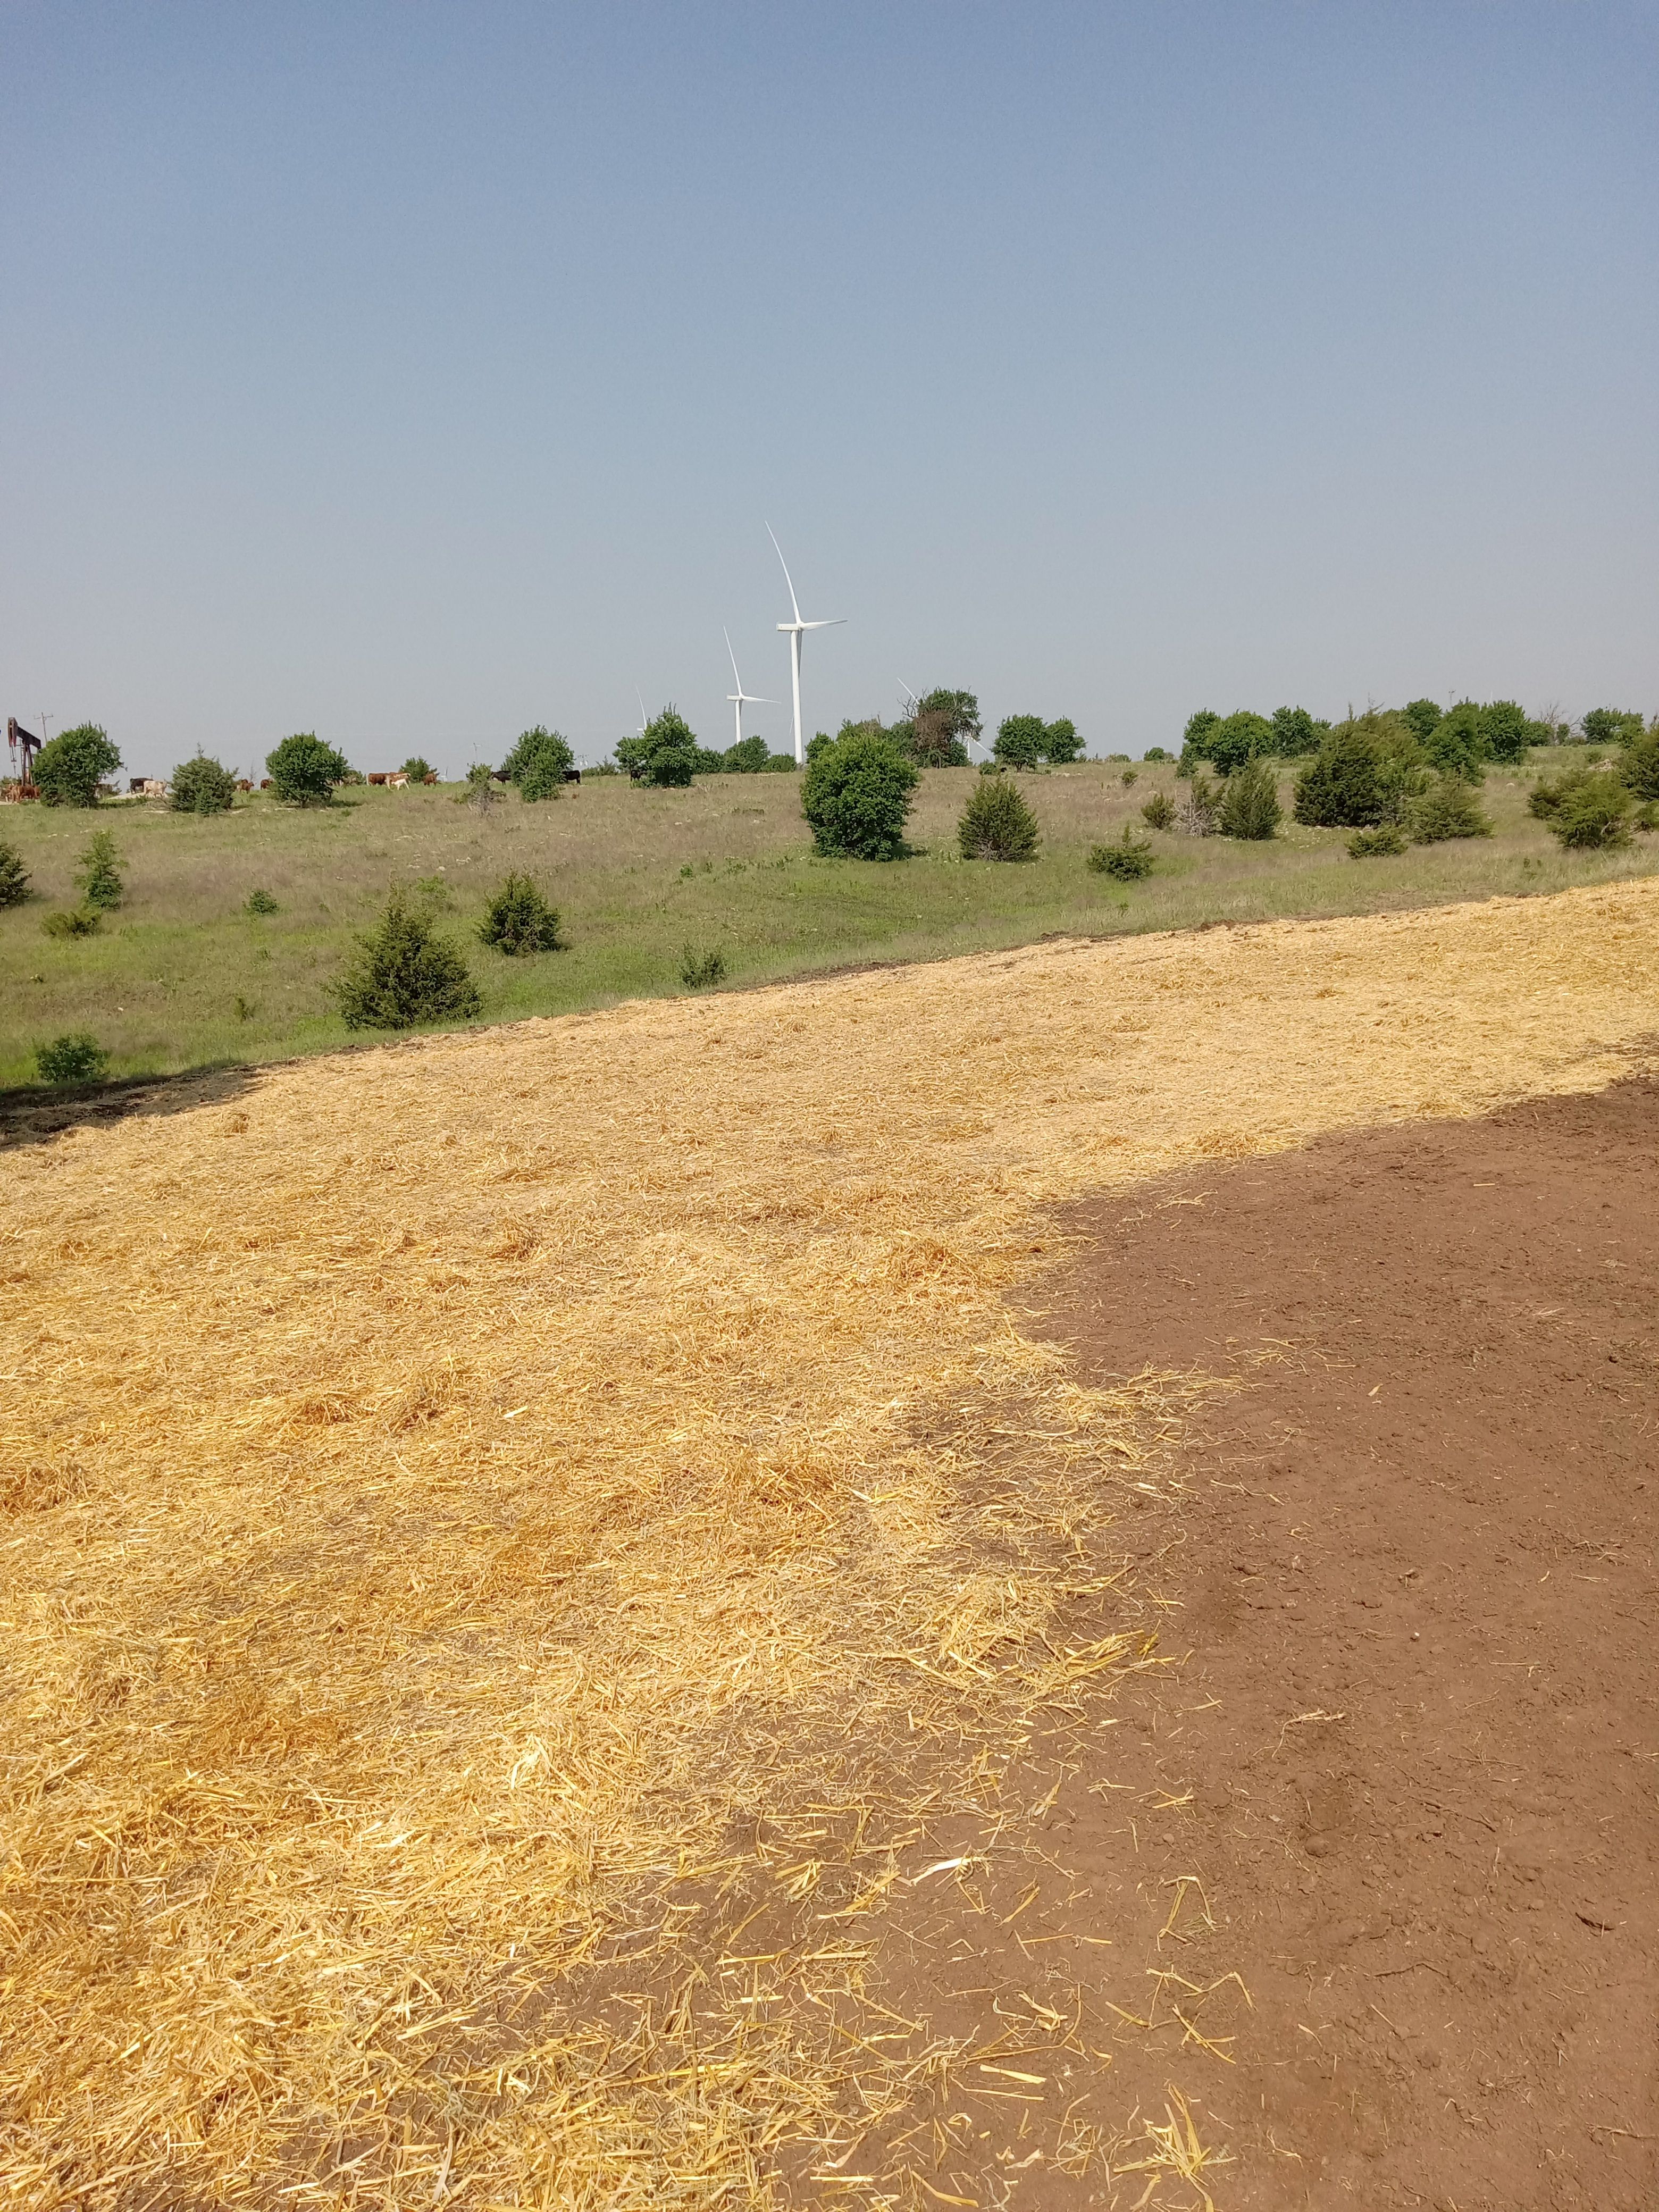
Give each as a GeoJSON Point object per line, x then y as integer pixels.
{"type": "Point", "coordinates": [452, 1491]}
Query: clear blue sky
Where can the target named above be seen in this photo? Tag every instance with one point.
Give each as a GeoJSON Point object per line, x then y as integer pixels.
{"type": "Point", "coordinates": [414, 373]}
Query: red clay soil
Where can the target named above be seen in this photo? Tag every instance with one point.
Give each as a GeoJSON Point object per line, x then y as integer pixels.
{"type": "Point", "coordinates": [1412, 1762]}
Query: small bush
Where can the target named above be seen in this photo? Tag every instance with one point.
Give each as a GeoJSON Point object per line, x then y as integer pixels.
{"type": "Point", "coordinates": [1158, 753]}
{"type": "Point", "coordinates": [1446, 809]}
{"type": "Point", "coordinates": [997, 824]}
{"type": "Point", "coordinates": [1200, 812]}
{"type": "Point", "coordinates": [13, 875]}
{"type": "Point", "coordinates": [699, 969]}
{"type": "Point", "coordinates": [1592, 814]}
{"type": "Point", "coordinates": [417, 768]}
{"type": "Point", "coordinates": [304, 771]}
{"type": "Point", "coordinates": [856, 795]}
{"type": "Point", "coordinates": [201, 786]}
{"type": "Point", "coordinates": [519, 921]}
{"type": "Point", "coordinates": [1158, 812]}
{"type": "Point", "coordinates": [100, 872]}
{"type": "Point", "coordinates": [68, 771]}
{"type": "Point", "coordinates": [261, 901]}
{"type": "Point", "coordinates": [1130, 775]}
{"type": "Point", "coordinates": [665, 753]}
{"type": "Point", "coordinates": [76, 1058]}
{"type": "Point", "coordinates": [73, 921]}
{"type": "Point", "coordinates": [538, 762]}
{"type": "Point", "coordinates": [1385, 841]}
{"type": "Point", "coordinates": [404, 973]}
{"type": "Point", "coordinates": [1638, 770]}
{"type": "Point", "coordinates": [1364, 773]}
{"type": "Point", "coordinates": [1249, 802]}
{"type": "Point", "coordinates": [1126, 859]}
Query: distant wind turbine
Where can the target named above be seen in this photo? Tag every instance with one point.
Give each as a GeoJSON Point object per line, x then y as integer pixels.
{"type": "Point", "coordinates": [797, 630]}
{"type": "Point", "coordinates": [740, 698]}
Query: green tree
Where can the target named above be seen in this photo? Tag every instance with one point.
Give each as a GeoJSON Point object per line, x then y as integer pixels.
{"type": "Point", "coordinates": [749, 756]}
{"type": "Point", "coordinates": [1422, 717]}
{"type": "Point", "coordinates": [1157, 753]}
{"type": "Point", "coordinates": [665, 753]}
{"type": "Point", "coordinates": [100, 872]}
{"type": "Point", "coordinates": [538, 762]}
{"type": "Point", "coordinates": [1503, 731]}
{"type": "Point", "coordinates": [856, 795]}
{"type": "Point", "coordinates": [1639, 768]}
{"type": "Point", "coordinates": [76, 1058]}
{"type": "Point", "coordinates": [1602, 726]}
{"type": "Point", "coordinates": [1061, 742]}
{"type": "Point", "coordinates": [1243, 737]}
{"type": "Point", "coordinates": [936, 734]}
{"type": "Point", "coordinates": [416, 767]}
{"type": "Point", "coordinates": [1458, 743]}
{"type": "Point", "coordinates": [1366, 771]}
{"type": "Point", "coordinates": [1021, 740]}
{"type": "Point", "coordinates": [1295, 733]}
{"type": "Point", "coordinates": [70, 769]}
{"type": "Point", "coordinates": [1249, 805]}
{"type": "Point", "coordinates": [13, 875]}
{"type": "Point", "coordinates": [996, 823]}
{"type": "Point", "coordinates": [304, 771]}
{"type": "Point", "coordinates": [1195, 739]}
{"type": "Point", "coordinates": [201, 786]}
{"type": "Point", "coordinates": [404, 973]}
{"type": "Point", "coordinates": [519, 921]}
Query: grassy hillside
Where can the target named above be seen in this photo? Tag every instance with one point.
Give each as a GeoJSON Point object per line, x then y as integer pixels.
{"type": "Point", "coordinates": [182, 976]}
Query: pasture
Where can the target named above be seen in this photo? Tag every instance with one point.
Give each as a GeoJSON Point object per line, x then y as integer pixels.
{"type": "Point", "coordinates": [182, 976]}
{"type": "Point", "coordinates": [583, 1630]}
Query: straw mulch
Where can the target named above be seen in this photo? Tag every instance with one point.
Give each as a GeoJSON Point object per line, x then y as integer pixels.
{"type": "Point", "coordinates": [473, 1502]}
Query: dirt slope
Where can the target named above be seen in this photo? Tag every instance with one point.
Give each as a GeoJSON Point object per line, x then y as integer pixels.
{"type": "Point", "coordinates": [1417, 1743]}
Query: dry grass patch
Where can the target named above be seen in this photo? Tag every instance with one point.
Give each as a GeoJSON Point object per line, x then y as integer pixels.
{"type": "Point", "coordinates": [481, 1498]}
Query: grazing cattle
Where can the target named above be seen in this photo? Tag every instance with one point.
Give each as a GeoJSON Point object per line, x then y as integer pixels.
{"type": "Point", "coordinates": [395, 782]}
{"type": "Point", "coordinates": [149, 787]}
{"type": "Point", "coordinates": [242, 784]}
{"type": "Point", "coordinates": [265, 783]}
{"type": "Point", "coordinates": [381, 779]}
{"type": "Point", "coordinates": [573, 776]}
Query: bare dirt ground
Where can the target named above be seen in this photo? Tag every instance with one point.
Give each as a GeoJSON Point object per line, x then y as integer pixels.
{"type": "Point", "coordinates": [1408, 1774]}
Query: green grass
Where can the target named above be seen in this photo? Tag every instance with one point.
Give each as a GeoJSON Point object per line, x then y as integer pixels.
{"type": "Point", "coordinates": [181, 976]}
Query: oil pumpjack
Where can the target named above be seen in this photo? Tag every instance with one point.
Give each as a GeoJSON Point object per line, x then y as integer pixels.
{"type": "Point", "coordinates": [18, 739]}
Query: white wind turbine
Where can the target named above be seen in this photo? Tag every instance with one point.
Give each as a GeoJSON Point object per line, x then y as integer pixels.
{"type": "Point", "coordinates": [796, 630]}
{"type": "Point", "coordinates": [740, 698]}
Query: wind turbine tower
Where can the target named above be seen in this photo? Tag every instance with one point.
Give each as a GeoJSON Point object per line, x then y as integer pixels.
{"type": "Point", "coordinates": [797, 630]}
{"type": "Point", "coordinates": [740, 698]}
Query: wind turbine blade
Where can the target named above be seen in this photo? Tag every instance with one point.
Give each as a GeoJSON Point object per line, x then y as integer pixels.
{"type": "Point", "coordinates": [784, 565]}
{"type": "Point", "coordinates": [736, 678]}
{"type": "Point", "coordinates": [834, 622]}
{"type": "Point", "coordinates": [644, 717]}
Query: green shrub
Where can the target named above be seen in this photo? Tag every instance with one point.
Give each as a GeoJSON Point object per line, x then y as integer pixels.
{"type": "Point", "coordinates": [100, 872]}
{"type": "Point", "coordinates": [665, 753]}
{"type": "Point", "coordinates": [1158, 812]}
{"type": "Point", "coordinates": [1610, 726]}
{"type": "Point", "coordinates": [1592, 812]}
{"type": "Point", "coordinates": [1458, 743]}
{"type": "Point", "coordinates": [68, 771]}
{"type": "Point", "coordinates": [1130, 776]}
{"type": "Point", "coordinates": [416, 767]}
{"type": "Point", "coordinates": [201, 786]}
{"type": "Point", "coordinates": [1022, 741]}
{"type": "Point", "coordinates": [1200, 812]}
{"type": "Point", "coordinates": [261, 901]}
{"type": "Point", "coordinates": [747, 758]}
{"type": "Point", "coordinates": [518, 920]}
{"type": "Point", "coordinates": [1296, 733]}
{"type": "Point", "coordinates": [1638, 770]}
{"type": "Point", "coordinates": [856, 795]}
{"type": "Point", "coordinates": [1364, 772]}
{"type": "Point", "coordinates": [1127, 857]}
{"type": "Point", "coordinates": [538, 762]}
{"type": "Point", "coordinates": [73, 921]}
{"type": "Point", "coordinates": [1386, 838]}
{"type": "Point", "coordinates": [997, 824]}
{"type": "Point", "coordinates": [699, 969]}
{"type": "Point", "coordinates": [1446, 809]}
{"type": "Point", "coordinates": [13, 875]}
{"type": "Point", "coordinates": [1158, 753]}
{"type": "Point", "coordinates": [1249, 803]}
{"type": "Point", "coordinates": [1422, 717]}
{"type": "Point", "coordinates": [1506, 731]}
{"type": "Point", "coordinates": [936, 733]}
{"type": "Point", "coordinates": [404, 973]}
{"type": "Point", "coordinates": [76, 1058]}
{"type": "Point", "coordinates": [304, 771]}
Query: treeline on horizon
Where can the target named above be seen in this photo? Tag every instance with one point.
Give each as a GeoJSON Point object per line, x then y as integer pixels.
{"type": "Point", "coordinates": [1464, 736]}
